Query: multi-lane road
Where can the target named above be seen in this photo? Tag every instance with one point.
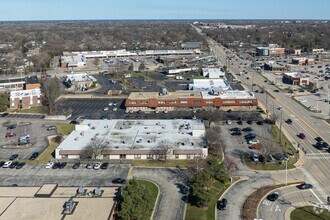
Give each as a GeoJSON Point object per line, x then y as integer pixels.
{"type": "Point", "coordinates": [316, 163]}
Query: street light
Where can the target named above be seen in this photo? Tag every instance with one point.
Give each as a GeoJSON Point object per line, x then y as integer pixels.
{"type": "Point", "coordinates": [281, 110]}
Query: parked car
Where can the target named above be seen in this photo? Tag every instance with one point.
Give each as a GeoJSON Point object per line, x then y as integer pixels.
{"type": "Point", "coordinates": [13, 164]}
{"type": "Point", "coordinates": [249, 122]}
{"type": "Point", "coordinates": [104, 165]}
{"type": "Point", "coordinates": [76, 166]}
{"type": "Point", "coordinates": [20, 165]}
{"type": "Point", "coordinates": [89, 165]}
{"type": "Point", "coordinates": [49, 165]}
{"type": "Point", "coordinates": [305, 186]}
{"type": "Point", "coordinates": [254, 141]}
{"type": "Point", "coordinates": [221, 205]}
{"type": "Point", "coordinates": [228, 122]}
{"type": "Point", "coordinates": [51, 128]}
{"type": "Point", "coordinates": [2, 163]}
{"type": "Point", "coordinates": [235, 129]}
{"type": "Point", "coordinates": [256, 146]}
{"type": "Point", "coordinates": [9, 127]}
{"type": "Point", "coordinates": [105, 108]}
{"type": "Point", "coordinates": [56, 165]}
{"type": "Point", "coordinates": [110, 104]}
{"type": "Point", "coordinates": [273, 197]}
{"type": "Point", "coordinates": [289, 121]}
{"type": "Point", "coordinates": [302, 135]}
{"type": "Point", "coordinates": [260, 122]}
{"type": "Point", "coordinates": [276, 90]}
{"type": "Point", "coordinates": [249, 136]}
{"type": "Point", "coordinates": [119, 181]}
{"type": "Point", "coordinates": [114, 109]}
{"type": "Point", "coordinates": [5, 114]}
{"type": "Point", "coordinates": [255, 158]}
{"type": "Point", "coordinates": [97, 166]}
{"type": "Point", "coordinates": [13, 157]}
{"type": "Point", "coordinates": [240, 122]}
{"type": "Point", "coordinates": [63, 165]}
{"type": "Point", "coordinates": [34, 156]}
{"type": "Point", "coordinates": [74, 122]}
{"type": "Point", "coordinates": [10, 134]}
{"type": "Point", "coordinates": [247, 129]}
{"type": "Point", "coordinates": [7, 164]}
{"type": "Point", "coordinates": [236, 133]}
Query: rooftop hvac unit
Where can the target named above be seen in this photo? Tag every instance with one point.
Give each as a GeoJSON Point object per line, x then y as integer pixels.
{"type": "Point", "coordinates": [81, 190]}
{"type": "Point", "coordinates": [97, 191]}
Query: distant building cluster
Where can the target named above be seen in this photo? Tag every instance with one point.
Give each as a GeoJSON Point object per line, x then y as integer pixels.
{"type": "Point", "coordinates": [295, 78]}
{"type": "Point", "coordinates": [271, 50]}
{"type": "Point", "coordinates": [303, 61]}
{"type": "Point", "coordinates": [80, 81]}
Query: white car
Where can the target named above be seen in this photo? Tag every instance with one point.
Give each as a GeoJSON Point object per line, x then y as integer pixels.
{"type": "Point", "coordinates": [228, 122]}
{"type": "Point", "coordinates": [114, 103]}
{"type": "Point", "coordinates": [156, 111]}
{"type": "Point", "coordinates": [254, 142]}
{"type": "Point", "coordinates": [106, 109]}
{"type": "Point", "coordinates": [110, 103]}
{"type": "Point", "coordinates": [97, 166]}
{"type": "Point", "coordinates": [7, 164]}
{"type": "Point", "coordinates": [131, 111]}
{"type": "Point", "coordinates": [114, 109]}
{"type": "Point", "coordinates": [49, 165]}
{"type": "Point", "coordinates": [165, 111]}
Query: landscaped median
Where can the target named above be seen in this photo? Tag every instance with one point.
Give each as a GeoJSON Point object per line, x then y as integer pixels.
{"type": "Point", "coordinates": [163, 163]}
{"type": "Point", "coordinates": [270, 166]}
{"type": "Point", "coordinates": [138, 200]}
{"type": "Point", "coordinates": [65, 129]}
{"type": "Point", "coordinates": [310, 213]}
{"type": "Point", "coordinates": [251, 204]}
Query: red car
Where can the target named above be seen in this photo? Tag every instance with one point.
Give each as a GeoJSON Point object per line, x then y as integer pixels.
{"type": "Point", "coordinates": [10, 135]}
{"type": "Point", "coordinates": [302, 136]}
{"type": "Point", "coordinates": [255, 146]}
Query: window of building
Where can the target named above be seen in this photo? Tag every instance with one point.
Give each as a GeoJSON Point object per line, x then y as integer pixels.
{"type": "Point", "coordinates": [137, 156]}
{"type": "Point", "coordinates": [188, 156]}
{"type": "Point", "coordinates": [150, 156]}
{"type": "Point", "coordinates": [161, 102]}
{"type": "Point", "coordinates": [245, 101]}
{"type": "Point", "coordinates": [229, 102]}
{"type": "Point", "coordinates": [132, 102]}
{"type": "Point", "coordinates": [183, 102]}
{"type": "Point", "coordinates": [176, 156]}
{"type": "Point", "coordinates": [144, 102]}
{"type": "Point", "coordinates": [209, 102]}
{"type": "Point", "coordinates": [172, 102]}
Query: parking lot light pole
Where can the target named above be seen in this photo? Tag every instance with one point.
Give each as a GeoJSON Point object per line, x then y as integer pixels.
{"type": "Point", "coordinates": [286, 172]}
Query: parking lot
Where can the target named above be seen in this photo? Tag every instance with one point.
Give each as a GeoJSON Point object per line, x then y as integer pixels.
{"type": "Point", "coordinates": [37, 175]}
{"type": "Point", "coordinates": [236, 147]}
{"type": "Point", "coordinates": [35, 128]}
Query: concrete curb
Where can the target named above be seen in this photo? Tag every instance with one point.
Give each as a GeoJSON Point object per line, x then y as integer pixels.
{"type": "Point", "coordinates": [243, 178]}
{"type": "Point", "coordinates": [157, 199]}
{"type": "Point", "coordinates": [271, 192]}
{"type": "Point", "coordinates": [288, 213]}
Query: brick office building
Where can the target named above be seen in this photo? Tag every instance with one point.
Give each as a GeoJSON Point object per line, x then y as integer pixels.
{"type": "Point", "coordinates": [149, 101]}
{"type": "Point", "coordinates": [25, 98]}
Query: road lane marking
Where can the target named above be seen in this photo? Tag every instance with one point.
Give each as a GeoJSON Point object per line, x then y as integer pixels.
{"type": "Point", "coordinates": [316, 196]}
{"type": "Point", "coordinates": [314, 182]}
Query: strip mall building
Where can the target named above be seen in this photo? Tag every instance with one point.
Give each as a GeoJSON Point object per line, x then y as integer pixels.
{"type": "Point", "coordinates": [148, 101]}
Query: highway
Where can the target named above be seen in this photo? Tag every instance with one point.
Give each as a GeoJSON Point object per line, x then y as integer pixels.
{"type": "Point", "coordinates": [316, 163]}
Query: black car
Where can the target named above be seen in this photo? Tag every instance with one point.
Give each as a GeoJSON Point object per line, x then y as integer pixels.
{"type": "Point", "coordinates": [235, 129]}
{"type": "Point", "coordinates": [13, 164]}
{"type": "Point", "coordinates": [276, 90]}
{"type": "Point", "coordinates": [318, 139]}
{"type": "Point", "coordinates": [269, 121]}
{"type": "Point", "coordinates": [2, 163]}
{"type": "Point", "coordinates": [249, 122]}
{"type": "Point", "coordinates": [260, 122]}
{"type": "Point", "coordinates": [221, 205]}
{"type": "Point", "coordinates": [273, 197]}
{"type": "Point", "coordinates": [5, 114]}
{"type": "Point", "coordinates": [247, 129]}
{"type": "Point", "coordinates": [56, 165]}
{"type": "Point", "coordinates": [62, 165]}
{"type": "Point", "coordinates": [321, 145]}
{"type": "Point", "coordinates": [34, 156]}
{"type": "Point", "coordinates": [9, 127]}
{"type": "Point", "coordinates": [104, 165]}
{"type": "Point", "coordinates": [236, 133]}
{"type": "Point", "coordinates": [20, 165]}
{"type": "Point", "coordinates": [13, 157]}
{"type": "Point", "coordinates": [289, 121]}
{"type": "Point", "coordinates": [74, 122]}
{"type": "Point", "coordinates": [119, 181]}
{"type": "Point", "coordinates": [305, 186]}
{"type": "Point", "coordinates": [76, 166]}
{"type": "Point", "coordinates": [250, 136]}
{"type": "Point", "coordinates": [240, 122]}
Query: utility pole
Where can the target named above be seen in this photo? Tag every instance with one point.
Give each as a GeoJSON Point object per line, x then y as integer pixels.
{"type": "Point", "coordinates": [265, 91]}
{"type": "Point", "coordinates": [281, 109]}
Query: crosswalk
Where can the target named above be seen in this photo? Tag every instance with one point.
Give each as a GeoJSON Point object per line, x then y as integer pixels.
{"type": "Point", "coordinates": [318, 156]}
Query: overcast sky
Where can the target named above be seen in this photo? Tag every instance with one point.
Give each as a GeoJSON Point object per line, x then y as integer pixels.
{"type": "Point", "coordinates": [163, 9]}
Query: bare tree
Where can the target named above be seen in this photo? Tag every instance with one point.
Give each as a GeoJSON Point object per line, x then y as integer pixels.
{"type": "Point", "coordinates": [163, 149]}
{"type": "Point", "coordinates": [52, 90]}
{"type": "Point", "coordinates": [94, 149]}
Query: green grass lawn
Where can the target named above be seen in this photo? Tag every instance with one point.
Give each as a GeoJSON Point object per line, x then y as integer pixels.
{"type": "Point", "coordinates": [287, 147]}
{"type": "Point", "coordinates": [37, 110]}
{"type": "Point", "coordinates": [46, 155]}
{"type": "Point", "coordinates": [195, 213]}
{"type": "Point", "coordinates": [309, 213]}
{"type": "Point", "coordinates": [65, 129]}
{"type": "Point", "coordinates": [161, 163]}
{"type": "Point", "coordinates": [270, 166]}
{"type": "Point", "coordinates": [153, 188]}
{"type": "Point", "coordinates": [144, 75]}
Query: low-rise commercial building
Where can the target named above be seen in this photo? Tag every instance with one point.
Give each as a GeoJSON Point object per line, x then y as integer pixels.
{"type": "Point", "coordinates": [25, 98]}
{"type": "Point", "coordinates": [295, 78]}
{"type": "Point", "coordinates": [12, 84]}
{"type": "Point", "coordinates": [275, 67]}
{"type": "Point", "coordinates": [32, 82]}
{"type": "Point", "coordinates": [135, 139]}
{"type": "Point", "coordinates": [72, 61]}
{"type": "Point", "coordinates": [167, 101]}
{"type": "Point", "coordinates": [191, 45]}
{"type": "Point", "coordinates": [218, 85]}
{"type": "Point", "coordinates": [79, 80]}
{"type": "Point", "coordinates": [213, 73]}
{"type": "Point", "coordinates": [271, 50]}
{"type": "Point", "coordinates": [303, 61]}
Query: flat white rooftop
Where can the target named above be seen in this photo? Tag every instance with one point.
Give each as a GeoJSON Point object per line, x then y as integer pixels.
{"type": "Point", "coordinates": [80, 77]}
{"type": "Point", "coordinates": [213, 73]}
{"type": "Point", "coordinates": [230, 95]}
{"type": "Point", "coordinates": [296, 75]}
{"type": "Point", "coordinates": [25, 93]}
{"type": "Point", "coordinates": [209, 84]}
{"type": "Point", "coordinates": [137, 134]}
